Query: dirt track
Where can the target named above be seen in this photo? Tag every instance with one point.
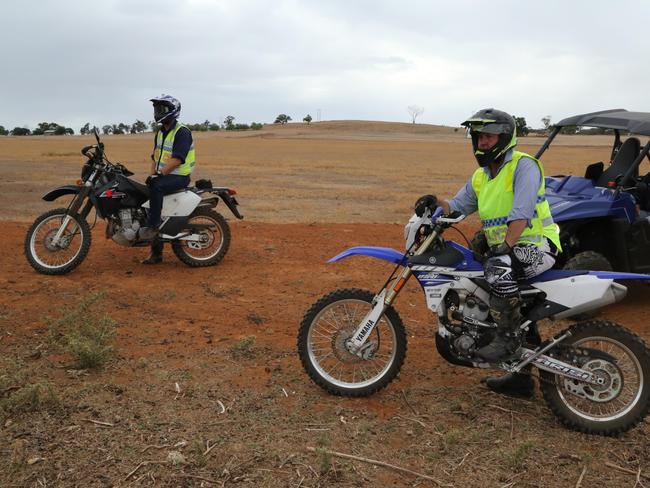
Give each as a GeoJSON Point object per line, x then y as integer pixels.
{"type": "Point", "coordinates": [188, 326]}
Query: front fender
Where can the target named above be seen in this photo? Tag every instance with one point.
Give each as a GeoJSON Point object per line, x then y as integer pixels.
{"type": "Point", "coordinates": [383, 253]}
{"type": "Point", "coordinates": [52, 195]}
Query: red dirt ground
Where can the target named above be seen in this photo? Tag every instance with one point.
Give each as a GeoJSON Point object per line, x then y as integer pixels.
{"type": "Point", "coordinates": [182, 325]}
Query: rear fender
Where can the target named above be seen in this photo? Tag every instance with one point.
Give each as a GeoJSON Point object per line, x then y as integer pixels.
{"type": "Point", "coordinates": [383, 253]}
{"type": "Point", "coordinates": [222, 192]}
{"type": "Point", "coordinates": [52, 195]}
{"type": "Point", "coordinates": [230, 201]}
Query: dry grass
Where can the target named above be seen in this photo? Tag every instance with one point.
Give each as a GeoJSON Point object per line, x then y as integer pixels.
{"type": "Point", "coordinates": [85, 331]}
{"type": "Point", "coordinates": [347, 171]}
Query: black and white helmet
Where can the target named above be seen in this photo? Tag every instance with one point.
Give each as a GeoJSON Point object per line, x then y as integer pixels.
{"type": "Point", "coordinates": [165, 108]}
{"type": "Point", "coordinates": [492, 121]}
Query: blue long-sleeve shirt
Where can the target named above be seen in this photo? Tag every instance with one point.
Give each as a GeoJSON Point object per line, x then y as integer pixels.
{"type": "Point", "coordinates": [525, 185]}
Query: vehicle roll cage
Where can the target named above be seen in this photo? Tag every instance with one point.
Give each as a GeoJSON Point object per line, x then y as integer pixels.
{"type": "Point", "coordinates": [618, 120]}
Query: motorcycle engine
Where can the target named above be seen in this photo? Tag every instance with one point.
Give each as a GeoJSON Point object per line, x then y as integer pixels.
{"type": "Point", "coordinates": [475, 308]}
{"type": "Point", "coordinates": [124, 229]}
{"type": "Point", "coordinates": [464, 344]}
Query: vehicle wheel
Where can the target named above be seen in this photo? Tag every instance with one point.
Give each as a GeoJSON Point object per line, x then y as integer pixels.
{"type": "Point", "coordinates": [321, 344]}
{"type": "Point", "coordinates": [71, 249]}
{"type": "Point", "coordinates": [590, 261]}
{"type": "Point", "coordinates": [622, 401]}
{"type": "Point", "coordinates": [214, 244]}
{"type": "Point", "coordinates": [479, 243]}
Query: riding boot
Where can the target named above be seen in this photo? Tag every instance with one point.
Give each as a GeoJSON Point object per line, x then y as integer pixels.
{"type": "Point", "coordinates": [505, 312]}
{"type": "Point", "coordinates": [518, 385]}
{"type": "Point", "coordinates": [155, 256]}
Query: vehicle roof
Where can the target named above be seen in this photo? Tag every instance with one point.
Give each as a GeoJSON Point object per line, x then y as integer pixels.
{"type": "Point", "coordinates": [621, 119]}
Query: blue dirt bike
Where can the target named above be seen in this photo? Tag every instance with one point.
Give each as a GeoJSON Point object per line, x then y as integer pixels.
{"type": "Point", "coordinates": [595, 375]}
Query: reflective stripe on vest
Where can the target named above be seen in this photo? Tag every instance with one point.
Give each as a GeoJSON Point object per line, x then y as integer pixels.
{"type": "Point", "coordinates": [495, 198]}
{"type": "Point", "coordinates": [162, 155]}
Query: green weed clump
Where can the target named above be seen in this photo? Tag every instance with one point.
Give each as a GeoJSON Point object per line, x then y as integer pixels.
{"type": "Point", "coordinates": [244, 348]}
{"type": "Point", "coordinates": [516, 458]}
{"type": "Point", "coordinates": [29, 398]}
{"type": "Point", "coordinates": [85, 332]}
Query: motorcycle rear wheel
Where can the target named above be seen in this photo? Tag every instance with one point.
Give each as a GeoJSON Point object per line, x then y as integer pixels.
{"type": "Point", "coordinates": [622, 401]}
{"type": "Point", "coordinates": [68, 253]}
{"type": "Point", "coordinates": [217, 240]}
{"type": "Point", "coordinates": [321, 345]}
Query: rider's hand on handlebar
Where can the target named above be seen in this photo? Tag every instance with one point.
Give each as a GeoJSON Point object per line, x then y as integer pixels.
{"type": "Point", "coordinates": [425, 202]}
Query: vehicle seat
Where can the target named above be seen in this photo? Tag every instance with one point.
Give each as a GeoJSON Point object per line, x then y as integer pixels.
{"type": "Point", "coordinates": [594, 171]}
{"type": "Point", "coordinates": [624, 158]}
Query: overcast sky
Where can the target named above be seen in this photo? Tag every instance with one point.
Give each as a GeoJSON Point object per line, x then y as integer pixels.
{"type": "Point", "coordinates": [77, 61]}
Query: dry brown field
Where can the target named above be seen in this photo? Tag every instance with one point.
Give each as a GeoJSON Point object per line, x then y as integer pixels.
{"type": "Point", "coordinates": [204, 360]}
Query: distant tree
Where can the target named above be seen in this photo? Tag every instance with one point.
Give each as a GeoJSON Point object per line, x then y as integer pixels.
{"type": "Point", "coordinates": [85, 130]}
{"type": "Point", "coordinates": [307, 119]}
{"type": "Point", "coordinates": [20, 131]}
{"type": "Point", "coordinates": [107, 129]}
{"type": "Point", "coordinates": [138, 126]}
{"type": "Point", "coordinates": [214, 127]}
{"type": "Point", "coordinates": [282, 119]}
{"type": "Point", "coordinates": [522, 128]}
{"type": "Point", "coordinates": [546, 120]}
{"type": "Point", "coordinates": [414, 111]}
{"type": "Point", "coordinates": [59, 131]}
{"type": "Point", "coordinates": [228, 122]}
{"type": "Point", "coordinates": [154, 125]}
{"type": "Point", "coordinates": [3, 131]}
{"type": "Point", "coordinates": [256, 126]}
{"type": "Point", "coordinates": [69, 131]}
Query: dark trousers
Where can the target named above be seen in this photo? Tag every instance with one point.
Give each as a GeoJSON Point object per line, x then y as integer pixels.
{"type": "Point", "coordinates": [158, 188]}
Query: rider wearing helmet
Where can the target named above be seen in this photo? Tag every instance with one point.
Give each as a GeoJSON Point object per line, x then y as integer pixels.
{"type": "Point", "coordinates": [507, 190]}
{"type": "Point", "coordinates": [172, 163]}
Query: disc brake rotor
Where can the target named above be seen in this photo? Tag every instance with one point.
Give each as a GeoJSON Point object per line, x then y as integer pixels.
{"type": "Point", "coordinates": [611, 387]}
{"type": "Point", "coordinates": [339, 348]}
{"type": "Point", "coordinates": [64, 241]}
{"type": "Point", "coordinates": [342, 351]}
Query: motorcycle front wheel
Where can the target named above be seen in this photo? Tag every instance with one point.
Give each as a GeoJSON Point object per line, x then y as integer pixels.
{"type": "Point", "coordinates": [61, 257]}
{"type": "Point", "coordinates": [214, 239]}
{"type": "Point", "coordinates": [324, 332]}
{"type": "Point", "coordinates": [622, 360]}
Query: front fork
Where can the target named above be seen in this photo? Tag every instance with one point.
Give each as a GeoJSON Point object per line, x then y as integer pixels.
{"type": "Point", "coordinates": [382, 301]}
{"type": "Point", "coordinates": [73, 210]}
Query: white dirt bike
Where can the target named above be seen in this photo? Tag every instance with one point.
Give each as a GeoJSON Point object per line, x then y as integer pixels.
{"type": "Point", "coordinates": [594, 375]}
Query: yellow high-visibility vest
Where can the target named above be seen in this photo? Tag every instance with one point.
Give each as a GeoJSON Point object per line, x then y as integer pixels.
{"type": "Point", "coordinates": [495, 198]}
{"type": "Point", "coordinates": [164, 148]}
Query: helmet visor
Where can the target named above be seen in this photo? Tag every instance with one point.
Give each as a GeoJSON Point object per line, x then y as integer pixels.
{"type": "Point", "coordinates": [159, 111]}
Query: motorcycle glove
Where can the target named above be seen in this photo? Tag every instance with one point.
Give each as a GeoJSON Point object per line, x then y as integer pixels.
{"type": "Point", "coordinates": [152, 177]}
{"type": "Point", "coordinates": [425, 202]}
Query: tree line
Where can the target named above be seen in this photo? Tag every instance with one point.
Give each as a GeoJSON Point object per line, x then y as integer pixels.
{"type": "Point", "coordinates": [137, 127]}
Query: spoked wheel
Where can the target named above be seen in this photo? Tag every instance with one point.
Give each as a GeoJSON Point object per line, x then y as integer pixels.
{"type": "Point", "coordinates": [322, 345]}
{"type": "Point", "coordinates": [48, 254]}
{"type": "Point", "coordinates": [213, 242]}
{"type": "Point", "coordinates": [623, 398]}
